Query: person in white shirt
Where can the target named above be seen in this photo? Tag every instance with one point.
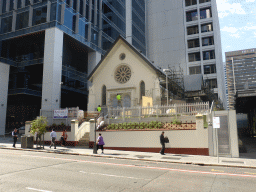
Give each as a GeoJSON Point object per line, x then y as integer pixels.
{"type": "Point", "coordinates": [15, 137]}
{"type": "Point", "coordinates": [53, 136]}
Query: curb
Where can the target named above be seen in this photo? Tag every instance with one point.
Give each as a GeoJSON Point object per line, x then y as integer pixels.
{"type": "Point", "coordinates": [118, 157]}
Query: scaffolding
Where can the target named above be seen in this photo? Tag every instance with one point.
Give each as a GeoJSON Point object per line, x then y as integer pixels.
{"type": "Point", "coordinates": [175, 83]}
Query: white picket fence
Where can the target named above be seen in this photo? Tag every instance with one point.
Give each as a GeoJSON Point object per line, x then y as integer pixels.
{"type": "Point", "coordinates": [171, 110]}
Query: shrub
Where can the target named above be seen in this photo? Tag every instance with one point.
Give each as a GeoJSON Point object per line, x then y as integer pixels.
{"type": "Point", "coordinates": [176, 122]}
{"type": "Point", "coordinates": [159, 125]}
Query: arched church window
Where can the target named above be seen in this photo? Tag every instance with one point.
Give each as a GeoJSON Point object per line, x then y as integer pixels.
{"type": "Point", "coordinates": [142, 89]}
{"type": "Point", "coordinates": [103, 97]}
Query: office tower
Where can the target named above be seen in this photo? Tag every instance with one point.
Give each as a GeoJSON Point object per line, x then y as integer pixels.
{"type": "Point", "coordinates": [186, 33]}
{"type": "Point", "coordinates": [48, 47]}
{"type": "Point", "coordinates": [241, 80]}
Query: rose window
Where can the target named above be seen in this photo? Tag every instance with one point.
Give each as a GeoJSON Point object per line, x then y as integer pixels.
{"type": "Point", "coordinates": [123, 74]}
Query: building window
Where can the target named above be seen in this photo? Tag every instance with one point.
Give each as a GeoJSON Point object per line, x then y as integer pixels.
{"type": "Point", "coordinates": [19, 4]}
{"type": "Point", "coordinates": [194, 57]}
{"type": "Point", "coordinates": [192, 16]}
{"type": "Point", "coordinates": [206, 28]}
{"type": "Point", "coordinates": [195, 70]}
{"type": "Point", "coordinates": [11, 5]}
{"type": "Point", "coordinates": [207, 55]}
{"type": "Point", "coordinates": [207, 41]}
{"type": "Point", "coordinates": [209, 69]}
{"type": "Point", "coordinates": [204, 1]}
{"type": "Point", "coordinates": [39, 15]}
{"type": "Point", "coordinates": [4, 6]}
{"type": "Point", "coordinates": [74, 24]}
{"type": "Point", "coordinates": [103, 97]}
{"type": "Point", "coordinates": [193, 43]}
{"type": "Point", "coordinates": [205, 13]}
{"type": "Point", "coordinates": [192, 30]}
{"type": "Point", "coordinates": [212, 83]}
{"type": "Point", "coordinates": [190, 2]}
{"type": "Point", "coordinates": [142, 89]}
{"type": "Point", "coordinates": [27, 2]}
{"type": "Point", "coordinates": [6, 24]}
{"type": "Point", "coordinates": [22, 20]}
{"type": "Point", "coordinates": [81, 7]}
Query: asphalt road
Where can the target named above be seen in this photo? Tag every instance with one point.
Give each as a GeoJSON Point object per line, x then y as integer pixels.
{"type": "Point", "coordinates": [49, 172]}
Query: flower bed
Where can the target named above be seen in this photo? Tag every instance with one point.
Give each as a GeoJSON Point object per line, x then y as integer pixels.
{"type": "Point", "coordinates": [153, 125]}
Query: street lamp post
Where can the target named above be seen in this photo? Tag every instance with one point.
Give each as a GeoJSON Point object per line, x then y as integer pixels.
{"type": "Point", "coordinates": [95, 145]}
{"type": "Point", "coordinates": [167, 70]}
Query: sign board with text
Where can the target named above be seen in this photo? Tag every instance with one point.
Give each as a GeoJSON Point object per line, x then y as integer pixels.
{"type": "Point", "coordinates": [60, 114]}
{"type": "Point", "coordinates": [216, 122]}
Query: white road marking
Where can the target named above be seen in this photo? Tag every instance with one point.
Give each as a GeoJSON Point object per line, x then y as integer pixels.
{"type": "Point", "coordinates": [37, 189]}
{"type": "Point", "coordinates": [113, 175]}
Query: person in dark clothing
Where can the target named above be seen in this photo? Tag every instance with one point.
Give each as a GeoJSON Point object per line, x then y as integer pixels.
{"type": "Point", "coordinates": [162, 143]}
{"type": "Point", "coordinates": [15, 136]}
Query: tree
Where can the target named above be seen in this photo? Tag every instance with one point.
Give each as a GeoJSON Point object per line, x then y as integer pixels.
{"type": "Point", "coordinates": [39, 126]}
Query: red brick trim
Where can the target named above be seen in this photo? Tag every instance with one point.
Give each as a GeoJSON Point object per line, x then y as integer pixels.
{"type": "Point", "coordinates": [188, 151]}
{"type": "Point", "coordinates": [58, 143]}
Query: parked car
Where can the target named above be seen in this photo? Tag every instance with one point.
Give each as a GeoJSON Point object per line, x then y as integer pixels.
{"type": "Point", "coordinates": [21, 130]}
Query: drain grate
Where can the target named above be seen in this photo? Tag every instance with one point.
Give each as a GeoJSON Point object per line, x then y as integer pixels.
{"type": "Point", "coordinates": [233, 162]}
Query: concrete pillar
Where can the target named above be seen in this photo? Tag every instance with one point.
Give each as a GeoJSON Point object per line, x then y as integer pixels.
{"type": "Point", "coordinates": [14, 16]}
{"type": "Point", "coordinates": [100, 24]}
{"type": "Point", "coordinates": [95, 12]}
{"type": "Point", "coordinates": [8, 5]}
{"type": "Point", "coordinates": [4, 79]}
{"type": "Point", "coordinates": [52, 69]}
{"type": "Point", "coordinates": [22, 3]}
{"type": "Point", "coordinates": [89, 20]}
{"type": "Point", "coordinates": [128, 20]}
{"type": "Point", "coordinates": [84, 8]}
{"type": "Point", "coordinates": [233, 135]}
{"type": "Point", "coordinates": [48, 11]}
{"type": "Point", "coordinates": [93, 60]}
{"type": "Point", "coordinates": [30, 19]}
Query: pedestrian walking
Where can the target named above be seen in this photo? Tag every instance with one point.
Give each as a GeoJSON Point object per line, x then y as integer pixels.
{"type": "Point", "coordinates": [53, 136]}
{"type": "Point", "coordinates": [64, 137]}
{"type": "Point", "coordinates": [162, 141]}
{"type": "Point", "coordinates": [15, 137]}
{"type": "Point", "coordinates": [100, 143]}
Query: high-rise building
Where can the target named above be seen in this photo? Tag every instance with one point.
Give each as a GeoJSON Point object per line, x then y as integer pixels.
{"type": "Point", "coordinates": [186, 33]}
{"type": "Point", "coordinates": [48, 47]}
{"type": "Point", "coordinates": [241, 80]}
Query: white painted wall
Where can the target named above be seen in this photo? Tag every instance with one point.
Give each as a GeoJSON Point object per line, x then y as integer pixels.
{"type": "Point", "coordinates": [75, 135]}
{"type": "Point", "coordinates": [4, 80]}
{"type": "Point", "coordinates": [52, 69]}
{"type": "Point", "coordinates": [151, 139]}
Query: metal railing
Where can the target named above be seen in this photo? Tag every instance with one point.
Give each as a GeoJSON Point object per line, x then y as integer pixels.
{"type": "Point", "coordinates": [164, 111]}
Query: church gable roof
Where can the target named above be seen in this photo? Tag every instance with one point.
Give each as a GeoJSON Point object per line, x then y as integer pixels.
{"type": "Point", "coordinates": [120, 38]}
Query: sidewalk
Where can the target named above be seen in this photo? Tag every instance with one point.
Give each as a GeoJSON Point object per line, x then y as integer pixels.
{"type": "Point", "coordinates": [246, 160]}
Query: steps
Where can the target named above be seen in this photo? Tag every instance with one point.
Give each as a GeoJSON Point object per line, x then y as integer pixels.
{"type": "Point", "coordinates": [84, 141]}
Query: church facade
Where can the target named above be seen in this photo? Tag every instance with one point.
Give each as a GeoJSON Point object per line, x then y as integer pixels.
{"type": "Point", "coordinates": [124, 71]}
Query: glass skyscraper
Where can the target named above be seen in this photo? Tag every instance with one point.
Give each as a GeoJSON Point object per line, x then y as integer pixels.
{"type": "Point", "coordinates": [48, 47]}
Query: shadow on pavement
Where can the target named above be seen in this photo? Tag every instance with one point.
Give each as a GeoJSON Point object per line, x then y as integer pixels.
{"type": "Point", "coordinates": [247, 147]}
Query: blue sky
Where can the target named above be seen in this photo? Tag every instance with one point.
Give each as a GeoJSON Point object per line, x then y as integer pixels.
{"type": "Point", "coordinates": [237, 24]}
